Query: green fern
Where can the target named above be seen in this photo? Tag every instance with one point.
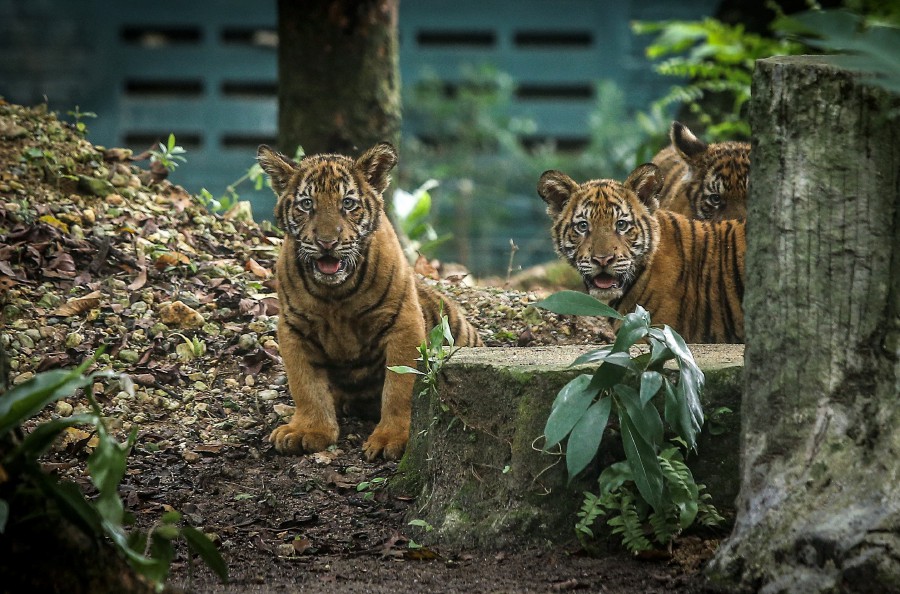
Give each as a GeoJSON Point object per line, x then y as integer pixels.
{"type": "Point", "coordinates": [628, 523]}
{"type": "Point", "coordinates": [591, 509]}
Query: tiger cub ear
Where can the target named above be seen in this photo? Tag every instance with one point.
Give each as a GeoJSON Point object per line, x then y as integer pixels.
{"type": "Point", "coordinates": [376, 163]}
{"type": "Point", "coordinates": [555, 187]}
{"type": "Point", "coordinates": [279, 167]}
{"type": "Point", "coordinates": [685, 142]}
{"type": "Point", "coordinates": [646, 181]}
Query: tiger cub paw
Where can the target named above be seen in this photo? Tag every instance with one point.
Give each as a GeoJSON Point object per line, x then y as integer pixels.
{"type": "Point", "coordinates": [291, 439]}
{"type": "Point", "coordinates": [389, 442]}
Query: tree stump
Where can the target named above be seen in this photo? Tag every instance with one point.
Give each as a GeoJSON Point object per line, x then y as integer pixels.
{"type": "Point", "coordinates": [819, 506]}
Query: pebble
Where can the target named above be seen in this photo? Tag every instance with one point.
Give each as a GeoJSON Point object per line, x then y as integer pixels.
{"type": "Point", "coordinates": [190, 456]}
{"type": "Point", "coordinates": [25, 341]}
{"type": "Point", "coordinates": [64, 409]}
{"type": "Point", "coordinates": [33, 334]}
{"type": "Point", "coordinates": [267, 394]}
{"type": "Point", "coordinates": [73, 339]}
{"type": "Point", "coordinates": [139, 307]}
{"type": "Point", "coordinates": [22, 378]}
{"type": "Point", "coordinates": [247, 341]}
{"type": "Point", "coordinates": [129, 355]}
{"type": "Point", "coordinates": [249, 381]}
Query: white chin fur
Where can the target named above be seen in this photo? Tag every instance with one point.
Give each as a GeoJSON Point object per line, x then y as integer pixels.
{"type": "Point", "coordinates": [605, 295]}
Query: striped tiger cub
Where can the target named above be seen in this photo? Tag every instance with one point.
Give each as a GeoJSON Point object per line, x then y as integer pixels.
{"type": "Point", "coordinates": [704, 181]}
{"type": "Point", "coordinates": [688, 274]}
{"type": "Point", "coordinates": [350, 302]}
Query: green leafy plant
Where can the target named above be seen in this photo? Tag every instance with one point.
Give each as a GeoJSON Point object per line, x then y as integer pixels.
{"type": "Point", "coordinates": [412, 211]}
{"type": "Point", "coordinates": [624, 387]}
{"type": "Point", "coordinates": [78, 116]}
{"type": "Point", "coordinates": [149, 554]}
{"type": "Point", "coordinates": [433, 356]}
{"type": "Point", "coordinates": [716, 62]}
{"type": "Point", "coordinates": [168, 155]}
{"type": "Point", "coordinates": [368, 488]}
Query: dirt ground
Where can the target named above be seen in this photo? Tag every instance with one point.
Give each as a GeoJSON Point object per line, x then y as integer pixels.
{"type": "Point", "coordinates": [94, 251]}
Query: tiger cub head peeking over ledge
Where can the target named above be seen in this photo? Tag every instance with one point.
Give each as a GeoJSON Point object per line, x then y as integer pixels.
{"type": "Point", "coordinates": [350, 302]}
{"type": "Point", "coordinates": [688, 274]}
{"type": "Point", "coordinates": [704, 181]}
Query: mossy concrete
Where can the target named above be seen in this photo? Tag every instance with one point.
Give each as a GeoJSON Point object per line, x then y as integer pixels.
{"type": "Point", "coordinates": [475, 463]}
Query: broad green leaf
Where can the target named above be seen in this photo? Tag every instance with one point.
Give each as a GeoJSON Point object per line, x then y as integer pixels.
{"type": "Point", "coordinates": [575, 398]}
{"type": "Point", "coordinates": [651, 382]}
{"type": "Point", "coordinates": [614, 476]}
{"type": "Point", "coordinates": [645, 418]}
{"type": "Point", "coordinates": [573, 303]}
{"type": "Point", "coordinates": [593, 356]}
{"type": "Point", "coordinates": [171, 517]}
{"type": "Point", "coordinates": [200, 544]}
{"type": "Point", "coordinates": [402, 369]}
{"type": "Point", "coordinates": [607, 376]}
{"type": "Point", "coordinates": [644, 464]}
{"type": "Point", "coordinates": [584, 440]}
{"type": "Point", "coordinates": [4, 515]}
{"type": "Point", "coordinates": [635, 327]}
{"type": "Point", "coordinates": [28, 398]}
{"type": "Point", "coordinates": [445, 328]}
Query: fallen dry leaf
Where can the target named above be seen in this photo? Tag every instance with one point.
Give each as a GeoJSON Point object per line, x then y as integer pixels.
{"type": "Point", "coordinates": [257, 269]}
{"type": "Point", "coordinates": [424, 267]}
{"type": "Point", "coordinates": [171, 259]}
{"type": "Point", "coordinates": [180, 315]}
{"type": "Point", "coordinates": [78, 305]}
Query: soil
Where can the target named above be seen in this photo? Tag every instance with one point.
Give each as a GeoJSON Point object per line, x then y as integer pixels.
{"type": "Point", "coordinates": [96, 247]}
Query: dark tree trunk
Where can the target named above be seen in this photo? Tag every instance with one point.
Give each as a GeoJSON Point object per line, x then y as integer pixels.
{"type": "Point", "coordinates": [338, 75]}
{"type": "Point", "coordinates": [819, 507]}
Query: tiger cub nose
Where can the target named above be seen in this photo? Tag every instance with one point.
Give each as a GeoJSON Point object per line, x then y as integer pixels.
{"type": "Point", "coordinates": [327, 243]}
{"type": "Point", "coordinates": [604, 260]}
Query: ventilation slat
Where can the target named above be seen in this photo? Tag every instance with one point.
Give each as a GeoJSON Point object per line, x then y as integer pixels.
{"type": "Point", "coordinates": [443, 39]}
{"type": "Point", "coordinates": [553, 39]}
{"type": "Point", "coordinates": [151, 37]}
{"type": "Point", "coordinates": [164, 88]}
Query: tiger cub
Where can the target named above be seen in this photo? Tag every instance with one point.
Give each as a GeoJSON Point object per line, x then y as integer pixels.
{"type": "Point", "coordinates": [704, 181]}
{"type": "Point", "coordinates": [350, 302]}
{"type": "Point", "coordinates": [688, 274]}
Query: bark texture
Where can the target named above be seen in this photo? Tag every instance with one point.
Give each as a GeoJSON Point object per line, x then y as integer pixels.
{"type": "Point", "coordinates": [819, 507]}
{"type": "Point", "coordinates": [338, 73]}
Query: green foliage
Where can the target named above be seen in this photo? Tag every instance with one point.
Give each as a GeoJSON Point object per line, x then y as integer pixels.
{"type": "Point", "coordinates": [149, 554]}
{"type": "Point", "coordinates": [168, 155]}
{"type": "Point", "coordinates": [716, 61]}
{"type": "Point", "coordinates": [485, 159]}
{"type": "Point", "coordinates": [870, 45]}
{"type": "Point", "coordinates": [368, 488]}
{"type": "Point", "coordinates": [413, 213]}
{"type": "Point", "coordinates": [433, 356]}
{"type": "Point", "coordinates": [78, 116]}
{"type": "Point", "coordinates": [625, 387]}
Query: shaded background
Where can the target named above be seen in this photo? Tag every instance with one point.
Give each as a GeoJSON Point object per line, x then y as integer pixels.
{"type": "Point", "coordinates": [206, 71]}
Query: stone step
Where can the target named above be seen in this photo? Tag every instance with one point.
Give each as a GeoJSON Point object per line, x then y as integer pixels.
{"type": "Point", "coordinates": [475, 463]}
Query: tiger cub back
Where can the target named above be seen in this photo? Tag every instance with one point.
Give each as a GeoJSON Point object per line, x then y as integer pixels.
{"type": "Point", "coordinates": [351, 304]}
{"type": "Point", "coordinates": [704, 181]}
{"type": "Point", "coordinates": [688, 274]}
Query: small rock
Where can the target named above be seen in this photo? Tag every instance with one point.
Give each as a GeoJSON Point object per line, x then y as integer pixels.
{"type": "Point", "coordinates": [73, 339]}
{"type": "Point", "coordinates": [257, 326]}
{"type": "Point", "coordinates": [283, 410]}
{"type": "Point", "coordinates": [267, 395]}
{"type": "Point", "coordinates": [33, 334]}
{"type": "Point", "coordinates": [22, 378]}
{"type": "Point", "coordinates": [89, 216]}
{"type": "Point", "coordinates": [249, 381]}
{"type": "Point", "coordinates": [285, 550]}
{"type": "Point", "coordinates": [139, 307]}
{"type": "Point", "coordinates": [64, 409]}
{"type": "Point", "coordinates": [26, 341]}
{"type": "Point", "coordinates": [95, 186]}
{"type": "Point", "coordinates": [129, 355]}
{"type": "Point", "coordinates": [180, 315]}
{"type": "Point", "coordinates": [247, 341]}
{"type": "Point", "coordinates": [190, 456]}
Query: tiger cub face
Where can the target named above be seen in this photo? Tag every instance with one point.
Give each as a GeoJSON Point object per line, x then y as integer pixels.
{"type": "Point", "coordinates": [604, 228]}
{"type": "Point", "coordinates": [329, 205]}
{"type": "Point", "coordinates": [704, 181]}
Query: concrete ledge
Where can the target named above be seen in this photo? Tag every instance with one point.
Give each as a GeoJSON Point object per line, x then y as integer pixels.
{"type": "Point", "coordinates": [475, 463]}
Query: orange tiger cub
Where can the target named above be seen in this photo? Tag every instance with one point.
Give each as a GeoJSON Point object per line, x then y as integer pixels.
{"type": "Point", "coordinates": [688, 274]}
{"type": "Point", "coordinates": [350, 302]}
{"type": "Point", "coordinates": [704, 181]}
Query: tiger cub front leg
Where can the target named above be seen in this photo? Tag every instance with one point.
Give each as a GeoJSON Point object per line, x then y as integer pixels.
{"type": "Point", "coordinates": [314, 425]}
{"type": "Point", "coordinates": [392, 432]}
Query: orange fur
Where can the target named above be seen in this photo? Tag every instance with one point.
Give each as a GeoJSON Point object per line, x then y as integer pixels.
{"type": "Point", "coordinates": [704, 181]}
{"type": "Point", "coordinates": [351, 304]}
{"type": "Point", "coordinates": [688, 274]}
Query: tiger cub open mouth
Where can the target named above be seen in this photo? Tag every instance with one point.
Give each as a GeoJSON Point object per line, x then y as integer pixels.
{"type": "Point", "coordinates": [605, 281]}
{"type": "Point", "coordinates": [329, 265]}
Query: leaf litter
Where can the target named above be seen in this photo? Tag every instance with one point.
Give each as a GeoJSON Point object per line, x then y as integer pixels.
{"type": "Point", "coordinates": [97, 250]}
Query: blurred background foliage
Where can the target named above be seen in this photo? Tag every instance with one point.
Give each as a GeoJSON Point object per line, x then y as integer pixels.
{"type": "Point", "coordinates": [486, 168]}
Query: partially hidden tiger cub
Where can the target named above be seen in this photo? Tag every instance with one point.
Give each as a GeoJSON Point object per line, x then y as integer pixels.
{"type": "Point", "coordinates": [688, 274]}
{"type": "Point", "coordinates": [704, 181]}
{"type": "Point", "coordinates": [350, 302]}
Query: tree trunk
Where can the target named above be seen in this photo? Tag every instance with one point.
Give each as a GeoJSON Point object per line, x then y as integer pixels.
{"type": "Point", "coordinates": [819, 507]}
{"type": "Point", "coordinates": [338, 75]}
